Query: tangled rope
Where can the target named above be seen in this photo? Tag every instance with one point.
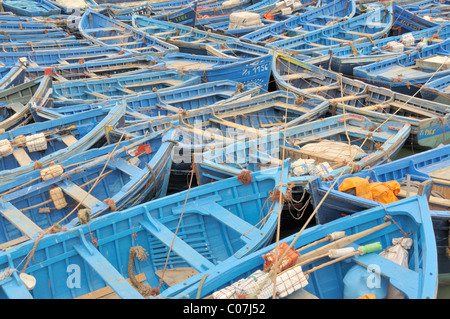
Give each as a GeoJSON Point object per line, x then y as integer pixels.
{"type": "Point", "coordinates": [144, 289]}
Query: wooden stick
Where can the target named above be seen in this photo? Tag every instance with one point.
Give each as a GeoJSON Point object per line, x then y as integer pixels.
{"type": "Point", "coordinates": [317, 253]}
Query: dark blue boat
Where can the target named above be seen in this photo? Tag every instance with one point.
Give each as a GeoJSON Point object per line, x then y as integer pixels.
{"type": "Point", "coordinates": [437, 90]}
{"type": "Point", "coordinates": [406, 21]}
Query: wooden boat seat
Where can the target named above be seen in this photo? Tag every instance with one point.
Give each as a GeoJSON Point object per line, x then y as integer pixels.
{"type": "Point", "coordinates": [321, 88]}
{"type": "Point", "coordinates": [100, 29]}
{"type": "Point", "coordinates": [69, 140]}
{"type": "Point", "coordinates": [170, 82]}
{"type": "Point", "coordinates": [404, 279]}
{"type": "Point", "coordinates": [22, 157]}
{"type": "Point", "coordinates": [340, 40]}
{"type": "Point", "coordinates": [79, 195]}
{"type": "Point", "coordinates": [97, 94]}
{"type": "Point", "coordinates": [188, 65]}
{"type": "Point", "coordinates": [20, 221]}
{"type": "Point", "coordinates": [210, 207]}
{"type": "Point", "coordinates": [108, 292]}
{"type": "Point", "coordinates": [127, 91]}
{"type": "Point", "coordinates": [302, 294]}
{"type": "Point", "coordinates": [106, 271]}
{"type": "Point", "coordinates": [125, 167]}
{"type": "Point", "coordinates": [296, 76]}
{"type": "Point", "coordinates": [167, 237]}
{"type": "Point", "coordinates": [113, 37]}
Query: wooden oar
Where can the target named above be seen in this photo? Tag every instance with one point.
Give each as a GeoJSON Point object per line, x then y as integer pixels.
{"type": "Point", "coordinates": [362, 250]}
{"type": "Point", "coordinates": [323, 251]}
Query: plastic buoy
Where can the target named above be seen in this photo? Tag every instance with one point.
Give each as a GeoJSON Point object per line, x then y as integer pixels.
{"type": "Point", "coordinates": [28, 280]}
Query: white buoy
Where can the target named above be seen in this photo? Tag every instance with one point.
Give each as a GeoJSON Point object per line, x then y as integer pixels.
{"type": "Point", "coordinates": [28, 280]}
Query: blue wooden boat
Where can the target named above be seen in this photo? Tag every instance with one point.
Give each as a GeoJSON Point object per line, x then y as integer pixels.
{"type": "Point", "coordinates": [15, 26]}
{"type": "Point", "coordinates": [185, 15]}
{"type": "Point", "coordinates": [213, 12]}
{"type": "Point", "coordinates": [419, 168]}
{"type": "Point", "coordinates": [219, 124]}
{"type": "Point", "coordinates": [164, 104]}
{"type": "Point", "coordinates": [344, 278]}
{"type": "Point", "coordinates": [57, 35]}
{"type": "Point", "coordinates": [406, 21]}
{"type": "Point", "coordinates": [345, 59]}
{"type": "Point", "coordinates": [323, 142]}
{"type": "Point", "coordinates": [66, 43]}
{"type": "Point", "coordinates": [13, 75]}
{"type": "Point", "coordinates": [187, 39]}
{"type": "Point", "coordinates": [66, 56]}
{"type": "Point", "coordinates": [436, 90]}
{"type": "Point", "coordinates": [407, 72]}
{"type": "Point", "coordinates": [217, 223]}
{"type": "Point", "coordinates": [132, 176]}
{"type": "Point", "coordinates": [371, 25]}
{"type": "Point", "coordinates": [105, 31]}
{"type": "Point", "coordinates": [40, 144]}
{"type": "Point", "coordinates": [87, 91]}
{"type": "Point", "coordinates": [97, 68]}
{"type": "Point", "coordinates": [309, 21]}
{"type": "Point", "coordinates": [223, 28]}
{"type": "Point", "coordinates": [249, 71]}
{"type": "Point", "coordinates": [376, 103]}
{"type": "Point", "coordinates": [15, 102]}
{"type": "Point", "coordinates": [30, 8]}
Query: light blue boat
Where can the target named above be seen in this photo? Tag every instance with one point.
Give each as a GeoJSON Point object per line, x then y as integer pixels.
{"type": "Point", "coordinates": [67, 56]}
{"type": "Point", "coordinates": [254, 71]}
{"type": "Point", "coordinates": [371, 25]}
{"type": "Point", "coordinates": [165, 104]}
{"type": "Point", "coordinates": [218, 222]}
{"type": "Point", "coordinates": [308, 21]}
{"type": "Point", "coordinates": [405, 73]}
{"type": "Point", "coordinates": [345, 59]}
{"type": "Point", "coordinates": [427, 118]}
{"type": "Point", "coordinates": [347, 278]}
{"type": "Point", "coordinates": [89, 91]}
{"type": "Point", "coordinates": [106, 31]}
{"type": "Point", "coordinates": [52, 142]}
{"type": "Point", "coordinates": [426, 170]}
{"type": "Point", "coordinates": [323, 142]}
{"type": "Point", "coordinates": [130, 178]}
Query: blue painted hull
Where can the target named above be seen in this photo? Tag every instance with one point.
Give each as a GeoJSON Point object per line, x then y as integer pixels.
{"type": "Point", "coordinates": [419, 281]}
{"type": "Point", "coordinates": [205, 239]}
{"type": "Point", "coordinates": [419, 167]}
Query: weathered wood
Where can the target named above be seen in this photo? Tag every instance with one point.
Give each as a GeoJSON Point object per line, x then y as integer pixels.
{"type": "Point", "coordinates": [108, 292]}
{"type": "Point", "coordinates": [22, 157]}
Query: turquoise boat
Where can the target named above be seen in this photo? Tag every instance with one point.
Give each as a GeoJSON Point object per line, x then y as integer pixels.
{"type": "Point", "coordinates": [216, 223]}
{"type": "Point", "coordinates": [373, 232]}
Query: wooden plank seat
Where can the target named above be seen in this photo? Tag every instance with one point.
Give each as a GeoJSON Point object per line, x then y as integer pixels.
{"type": "Point", "coordinates": [79, 195]}
{"type": "Point", "coordinates": [106, 271]}
{"type": "Point", "coordinates": [108, 292]}
{"type": "Point", "coordinates": [20, 221]}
